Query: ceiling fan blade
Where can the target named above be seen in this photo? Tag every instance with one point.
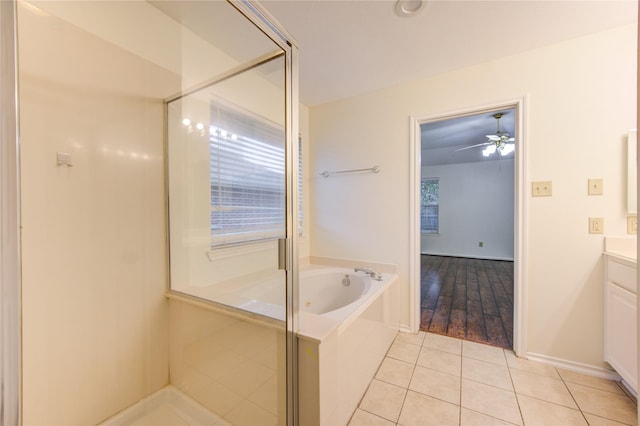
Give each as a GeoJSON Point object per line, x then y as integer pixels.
{"type": "Point", "coordinates": [474, 146]}
{"type": "Point", "coordinates": [493, 137]}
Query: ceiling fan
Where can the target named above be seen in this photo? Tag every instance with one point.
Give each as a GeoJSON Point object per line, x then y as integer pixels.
{"type": "Point", "coordinates": [500, 142]}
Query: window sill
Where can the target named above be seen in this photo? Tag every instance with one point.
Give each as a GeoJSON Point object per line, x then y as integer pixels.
{"type": "Point", "coordinates": [227, 252]}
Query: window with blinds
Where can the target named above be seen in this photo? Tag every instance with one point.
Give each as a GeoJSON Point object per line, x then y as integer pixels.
{"type": "Point", "coordinates": [247, 173]}
{"type": "Point", "coordinates": [430, 206]}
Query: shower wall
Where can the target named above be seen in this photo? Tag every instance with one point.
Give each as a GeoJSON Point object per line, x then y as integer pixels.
{"type": "Point", "coordinates": [233, 365]}
{"type": "Point", "coordinates": [95, 320]}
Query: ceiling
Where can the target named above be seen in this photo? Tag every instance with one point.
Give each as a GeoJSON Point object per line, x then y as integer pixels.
{"type": "Point", "coordinates": [350, 47]}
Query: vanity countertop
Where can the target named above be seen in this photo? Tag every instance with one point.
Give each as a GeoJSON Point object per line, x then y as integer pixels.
{"type": "Point", "coordinates": [623, 248]}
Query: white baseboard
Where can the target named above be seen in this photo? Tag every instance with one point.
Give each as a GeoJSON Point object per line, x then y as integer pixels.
{"type": "Point", "coordinates": [470, 256]}
{"type": "Point", "coordinates": [630, 392]}
{"type": "Point", "coordinates": [578, 367]}
{"type": "Point", "coordinates": [405, 329]}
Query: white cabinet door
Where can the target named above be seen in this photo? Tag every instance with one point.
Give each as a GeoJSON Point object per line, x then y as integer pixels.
{"type": "Point", "coordinates": [621, 333]}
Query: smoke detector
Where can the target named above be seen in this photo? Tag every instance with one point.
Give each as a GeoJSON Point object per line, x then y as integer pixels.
{"type": "Point", "coordinates": [406, 8]}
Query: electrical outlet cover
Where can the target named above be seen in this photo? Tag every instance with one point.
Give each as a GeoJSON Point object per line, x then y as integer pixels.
{"type": "Point", "coordinates": [596, 225]}
{"type": "Point", "coordinates": [632, 224]}
{"type": "Point", "coordinates": [541, 188]}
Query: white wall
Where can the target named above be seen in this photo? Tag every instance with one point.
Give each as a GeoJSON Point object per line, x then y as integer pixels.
{"type": "Point", "coordinates": [580, 104]}
{"type": "Point", "coordinates": [475, 205]}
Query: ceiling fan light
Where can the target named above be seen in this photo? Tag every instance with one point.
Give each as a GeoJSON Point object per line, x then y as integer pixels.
{"type": "Point", "coordinates": [507, 149]}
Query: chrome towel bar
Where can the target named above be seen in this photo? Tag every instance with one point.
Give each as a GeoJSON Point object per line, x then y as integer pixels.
{"type": "Point", "coordinates": [374, 169]}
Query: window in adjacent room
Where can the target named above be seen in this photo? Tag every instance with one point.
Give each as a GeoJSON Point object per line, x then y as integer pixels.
{"type": "Point", "coordinates": [429, 206]}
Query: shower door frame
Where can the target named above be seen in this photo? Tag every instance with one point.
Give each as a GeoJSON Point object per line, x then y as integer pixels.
{"type": "Point", "coordinates": [262, 19]}
{"type": "Point", "coordinates": [10, 264]}
{"type": "Point", "coordinates": [10, 301]}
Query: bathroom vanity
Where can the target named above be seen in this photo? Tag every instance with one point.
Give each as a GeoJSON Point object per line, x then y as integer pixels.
{"type": "Point", "coordinates": [620, 310]}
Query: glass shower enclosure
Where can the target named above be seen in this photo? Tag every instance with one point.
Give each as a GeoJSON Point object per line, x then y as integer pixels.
{"type": "Point", "coordinates": [158, 171]}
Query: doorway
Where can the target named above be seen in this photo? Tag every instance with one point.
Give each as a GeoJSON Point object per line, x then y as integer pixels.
{"type": "Point", "coordinates": [467, 224]}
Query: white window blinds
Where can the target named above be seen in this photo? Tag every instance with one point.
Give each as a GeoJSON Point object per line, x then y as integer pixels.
{"type": "Point", "coordinates": [247, 173]}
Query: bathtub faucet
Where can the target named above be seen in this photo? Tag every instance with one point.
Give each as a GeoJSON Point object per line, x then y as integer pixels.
{"type": "Point", "coordinates": [367, 271]}
{"type": "Point", "coordinates": [373, 274]}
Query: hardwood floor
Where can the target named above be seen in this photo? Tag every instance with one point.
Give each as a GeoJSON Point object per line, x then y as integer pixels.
{"type": "Point", "coordinates": [470, 299]}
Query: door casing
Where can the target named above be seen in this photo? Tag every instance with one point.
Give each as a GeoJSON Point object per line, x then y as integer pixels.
{"type": "Point", "coordinates": [520, 209]}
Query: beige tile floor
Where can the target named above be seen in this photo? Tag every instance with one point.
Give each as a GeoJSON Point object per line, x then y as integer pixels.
{"type": "Point", "coordinates": [428, 379]}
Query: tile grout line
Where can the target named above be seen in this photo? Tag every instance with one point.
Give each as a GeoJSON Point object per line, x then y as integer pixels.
{"type": "Point", "coordinates": [386, 355]}
{"type": "Point", "coordinates": [487, 384]}
{"type": "Point", "coordinates": [573, 397]}
{"type": "Point", "coordinates": [513, 385]}
{"type": "Point", "coordinates": [413, 371]}
{"type": "Point", "coordinates": [373, 414]}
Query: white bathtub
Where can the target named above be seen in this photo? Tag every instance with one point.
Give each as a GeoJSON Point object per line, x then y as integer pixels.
{"type": "Point", "coordinates": [324, 290]}
{"type": "Point", "coordinates": [321, 292]}
{"type": "Point", "coordinates": [344, 333]}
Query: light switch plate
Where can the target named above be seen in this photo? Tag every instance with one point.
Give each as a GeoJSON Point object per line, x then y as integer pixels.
{"type": "Point", "coordinates": [632, 224]}
{"type": "Point", "coordinates": [541, 188]}
{"type": "Point", "coordinates": [595, 187]}
{"type": "Point", "coordinates": [596, 225]}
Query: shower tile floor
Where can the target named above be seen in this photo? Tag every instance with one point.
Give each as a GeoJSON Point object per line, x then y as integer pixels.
{"type": "Point", "coordinates": [167, 407]}
{"type": "Point", "coordinates": [430, 379]}
{"type": "Point", "coordinates": [164, 415]}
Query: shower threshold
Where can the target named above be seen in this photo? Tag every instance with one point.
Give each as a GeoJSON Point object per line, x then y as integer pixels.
{"type": "Point", "coordinates": [168, 406]}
